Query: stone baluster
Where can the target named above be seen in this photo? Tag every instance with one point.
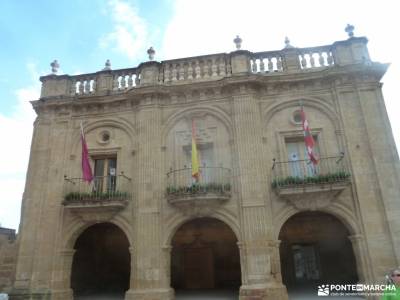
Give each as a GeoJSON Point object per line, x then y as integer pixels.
{"type": "Point", "coordinates": [262, 65]}
{"type": "Point", "coordinates": [81, 87]}
{"type": "Point", "coordinates": [312, 60]}
{"type": "Point", "coordinates": [321, 59]}
{"type": "Point", "coordinates": [206, 69]}
{"type": "Point", "coordinates": [130, 80]}
{"type": "Point", "coordinates": [181, 69]}
{"type": "Point", "coordinates": [221, 65]}
{"type": "Point", "coordinates": [197, 70]}
{"type": "Point", "coordinates": [123, 82]}
{"type": "Point", "coordinates": [303, 61]}
{"type": "Point", "coordinates": [270, 64]}
{"type": "Point", "coordinates": [278, 64]}
{"type": "Point", "coordinates": [214, 68]}
{"type": "Point", "coordinates": [93, 90]}
{"type": "Point", "coordinates": [89, 83]}
{"type": "Point", "coordinates": [174, 72]}
{"type": "Point", "coordinates": [86, 86]}
{"type": "Point", "coordinates": [329, 58]}
{"type": "Point", "coordinates": [254, 65]}
{"type": "Point", "coordinates": [190, 70]}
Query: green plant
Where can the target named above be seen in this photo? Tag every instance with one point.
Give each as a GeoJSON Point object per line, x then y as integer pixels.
{"type": "Point", "coordinates": [199, 188]}
{"type": "Point", "coordinates": [316, 179]}
{"type": "Point", "coordinates": [94, 196]}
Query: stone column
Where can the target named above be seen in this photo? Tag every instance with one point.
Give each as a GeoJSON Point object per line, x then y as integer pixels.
{"type": "Point", "coordinates": [148, 280]}
{"type": "Point", "coordinates": [61, 279]}
{"type": "Point", "coordinates": [166, 267]}
{"type": "Point", "coordinates": [359, 247]}
{"type": "Point", "coordinates": [256, 220]}
{"type": "Point", "coordinates": [276, 261]}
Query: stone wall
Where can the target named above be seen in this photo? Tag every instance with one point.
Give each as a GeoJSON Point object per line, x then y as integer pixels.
{"type": "Point", "coordinates": [8, 256]}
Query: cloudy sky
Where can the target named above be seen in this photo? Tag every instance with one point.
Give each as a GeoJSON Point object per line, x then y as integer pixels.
{"type": "Point", "coordinates": [82, 34]}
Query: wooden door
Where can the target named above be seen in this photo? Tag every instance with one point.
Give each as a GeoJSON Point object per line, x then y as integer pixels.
{"type": "Point", "coordinates": [199, 268]}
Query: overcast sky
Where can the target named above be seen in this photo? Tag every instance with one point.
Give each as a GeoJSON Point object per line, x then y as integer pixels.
{"type": "Point", "coordinates": [83, 34]}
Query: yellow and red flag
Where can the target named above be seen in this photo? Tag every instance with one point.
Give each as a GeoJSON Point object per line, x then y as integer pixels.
{"type": "Point", "coordinates": [195, 156]}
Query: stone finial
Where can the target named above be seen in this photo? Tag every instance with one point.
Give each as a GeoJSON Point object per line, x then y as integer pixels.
{"type": "Point", "coordinates": [151, 52]}
{"type": "Point", "coordinates": [107, 65]}
{"type": "Point", "coordinates": [54, 67]}
{"type": "Point", "coordinates": [350, 30]}
{"type": "Point", "coordinates": [287, 43]}
{"type": "Point", "coordinates": [238, 42]}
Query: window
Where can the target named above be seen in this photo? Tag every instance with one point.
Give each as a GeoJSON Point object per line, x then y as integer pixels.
{"type": "Point", "coordinates": [298, 160]}
{"type": "Point", "coordinates": [105, 171]}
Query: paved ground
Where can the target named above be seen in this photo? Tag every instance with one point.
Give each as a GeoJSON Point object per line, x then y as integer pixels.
{"type": "Point", "coordinates": [220, 295]}
{"type": "Point", "coordinates": [206, 295]}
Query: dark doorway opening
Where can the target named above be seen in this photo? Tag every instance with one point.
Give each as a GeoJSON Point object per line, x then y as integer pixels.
{"type": "Point", "coordinates": [205, 257]}
{"type": "Point", "coordinates": [314, 250]}
{"type": "Point", "coordinates": [101, 264]}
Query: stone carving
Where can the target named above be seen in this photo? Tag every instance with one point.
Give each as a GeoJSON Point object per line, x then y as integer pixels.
{"type": "Point", "coordinates": [238, 42]}
{"type": "Point", "coordinates": [54, 67]}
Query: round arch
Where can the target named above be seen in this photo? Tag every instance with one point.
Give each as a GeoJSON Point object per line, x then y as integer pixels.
{"type": "Point", "coordinates": [316, 103]}
{"type": "Point", "coordinates": [315, 248]}
{"type": "Point", "coordinates": [224, 217]}
{"type": "Point", "coordinates": [121, 124]}
{"type": "Point", "coordinates": [101, 266]}
{"type": "Point", "coordinates": [77, 227]}
{"type": "Point", "coordinates": [205, 256]}
{"type": "Point", "coordinates": [337, 210]}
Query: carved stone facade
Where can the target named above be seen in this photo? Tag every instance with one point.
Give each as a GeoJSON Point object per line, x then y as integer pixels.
{"type": "Point", "coordinates": [244, 104]}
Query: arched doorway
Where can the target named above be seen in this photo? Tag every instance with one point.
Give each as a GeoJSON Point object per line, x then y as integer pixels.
{"type": "Point", "coordinates": [315, 249]}
{"type": "Point", "coordinates": [101, 264]}
{"type": "Point", "coordinates": [205, 259]}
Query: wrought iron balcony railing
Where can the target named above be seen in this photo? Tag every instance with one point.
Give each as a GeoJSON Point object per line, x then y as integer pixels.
{"type": "Point", "coordinates": [102, 189]}
{"type": "Point", "coordinates": [214, 182]}
{"type": "Point", "coordinates": [302, 173]}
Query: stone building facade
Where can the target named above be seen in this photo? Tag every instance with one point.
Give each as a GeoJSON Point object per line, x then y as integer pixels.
{"type": "Point", "coordinates": [261, 220]}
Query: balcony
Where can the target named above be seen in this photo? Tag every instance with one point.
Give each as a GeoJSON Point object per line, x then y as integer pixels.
{"type": "Point", "coordinates": [307, 185]}
{"type": "Point", "coordinates": [100, 200]}
{"type": "Point", "coordinates": [213, 187]}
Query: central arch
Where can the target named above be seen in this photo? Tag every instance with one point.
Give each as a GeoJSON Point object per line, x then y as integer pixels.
{"type": "Point", "coordinates": [205, 259]}
{"type": "Point", "coordinates": [101, 264]}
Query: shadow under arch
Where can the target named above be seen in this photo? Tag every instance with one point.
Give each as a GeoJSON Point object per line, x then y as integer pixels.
{"type": "Point", "coordinates": [315, 249]}
{"type": "Point", "coordinates": [205, 256]}
{"type": "Point", "coordinates": [316, 103]}
{"type": "Point", "coordinates": [174, 226]}
{"type": "Point", "coordinates": [77, 227]}
{"type": "Point", "coordinates": [213, 111]}
{"type": "Point", "coordinates": [101, 264]}
{"type": "Point", "coordinates": [337, 210]}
